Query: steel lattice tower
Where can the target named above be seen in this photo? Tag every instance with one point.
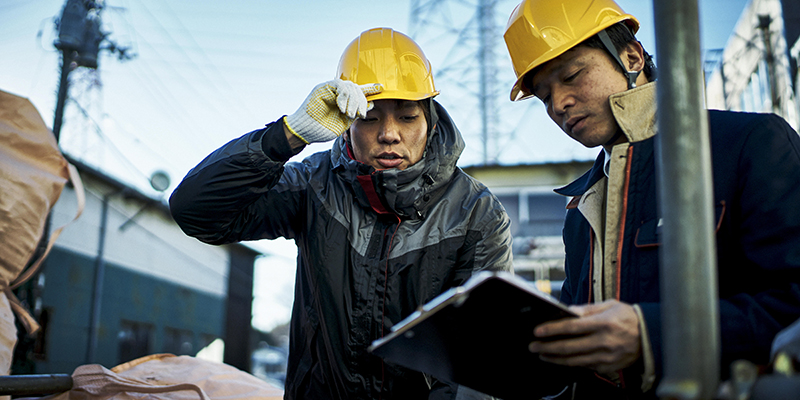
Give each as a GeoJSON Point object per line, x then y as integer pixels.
{"type": "Point", "coordinates": [463, 40]}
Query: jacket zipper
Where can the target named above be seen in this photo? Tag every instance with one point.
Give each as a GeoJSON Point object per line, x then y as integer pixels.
{"type": "Point", "coordinates": [383, 305]}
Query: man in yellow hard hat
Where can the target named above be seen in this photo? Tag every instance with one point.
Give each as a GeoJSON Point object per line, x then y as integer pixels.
{"type": "Point", "coordinates": [582, 60]}
{"type": "Point", "coordinates": [384, 221]}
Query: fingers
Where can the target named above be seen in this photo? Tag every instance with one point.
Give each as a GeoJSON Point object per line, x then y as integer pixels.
{"type": "Point", "coordinates": [327, 112]}
{"type": "Point", "coordinates": [566, 346]}
{"type": "Point", "coordinates": [352, 99]}
{"type": "Point", "coordinates": [371, 88]}
{"type": "Point", "coordinates": [563, 327]}
{"type": "Point", "coordinates": [602, 355]}
{"type": "Point", "coordinates": [586, 310]}
{"type": "Point", "coordinates": [608, 315]}
{"type": "Point", "coordinates": [605, 338]}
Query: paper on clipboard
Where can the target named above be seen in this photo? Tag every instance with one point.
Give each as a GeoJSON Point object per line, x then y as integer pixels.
{"type": "Point", "coordinates": [477, 335]}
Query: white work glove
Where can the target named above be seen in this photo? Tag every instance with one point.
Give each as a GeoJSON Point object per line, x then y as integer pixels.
{"type": "Point", "coordinates": [330, 109]}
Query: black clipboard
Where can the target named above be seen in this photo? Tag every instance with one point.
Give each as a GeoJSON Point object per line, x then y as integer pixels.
{"type": "Point", "coordinates": [477, 335]}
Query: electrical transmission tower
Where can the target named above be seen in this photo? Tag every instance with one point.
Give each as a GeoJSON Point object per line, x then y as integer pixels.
{"type": "Point", "coordinates": [463, 39]}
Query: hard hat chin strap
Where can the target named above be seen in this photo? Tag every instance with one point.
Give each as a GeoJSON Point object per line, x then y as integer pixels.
{"type": "Point", "coordinates": [630, 75]}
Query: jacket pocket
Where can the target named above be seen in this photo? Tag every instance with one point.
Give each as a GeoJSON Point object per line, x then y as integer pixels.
{"type": "Point", "coordinates": [719, 214]}
{"type": "Point", "coordinates": [649, 233]}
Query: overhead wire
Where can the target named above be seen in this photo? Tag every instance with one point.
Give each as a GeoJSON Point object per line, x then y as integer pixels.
{"type": "Point", "coordinates": [211, 64]}
{"type": "Point", "coordinates": [104, 138]}
{"type": "Point", "coordinates": [167, 97]}
{"type": "Point", "coordinates": [181, 49]}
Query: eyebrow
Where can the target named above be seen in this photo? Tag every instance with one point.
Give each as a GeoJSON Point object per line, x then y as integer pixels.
{"type": "Point", "coordinates": [556, 69]}
{"type": "Point", "coordinates": [535, 88]}
{"type": "Point", "coordinates": [408, 103]}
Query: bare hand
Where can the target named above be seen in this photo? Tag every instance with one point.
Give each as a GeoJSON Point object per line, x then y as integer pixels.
{"type": "Point", "coordinates": [606, 338]}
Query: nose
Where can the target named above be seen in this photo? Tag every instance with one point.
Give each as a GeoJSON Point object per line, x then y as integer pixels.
{"type": "Point", "coordinates": [389, 132]}
{"type": "Point", "coordinates": [560, 101]}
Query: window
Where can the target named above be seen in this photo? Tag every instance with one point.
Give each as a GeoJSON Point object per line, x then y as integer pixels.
{"type": "Point", "coordinates": [178, 342]}
{"type": "Point", "coordinates": [133, 340]}
{"type": "Point", "coordinates": [546, 212]}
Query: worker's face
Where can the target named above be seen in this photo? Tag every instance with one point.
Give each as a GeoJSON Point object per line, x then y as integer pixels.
{"type": "Point", "coordinates": [574, 88]}
{"type": "Point", "coordinates": [393, 135]}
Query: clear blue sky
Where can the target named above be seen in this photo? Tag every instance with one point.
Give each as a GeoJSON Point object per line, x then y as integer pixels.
{"type": "Point", "coordinates": [206, 72]}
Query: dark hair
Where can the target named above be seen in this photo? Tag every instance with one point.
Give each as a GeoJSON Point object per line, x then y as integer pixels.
{"type": "Point", "coordinates": [620, 35]}
{"type": "Point", "coordinates": [425, 104]}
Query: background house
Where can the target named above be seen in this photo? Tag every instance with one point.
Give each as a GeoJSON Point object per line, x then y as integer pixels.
{"type": "Point", "coordinates": [537, 214]}
{"type": "Point", "coordinates": [159, 291]}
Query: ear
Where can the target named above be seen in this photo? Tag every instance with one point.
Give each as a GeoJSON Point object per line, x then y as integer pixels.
{"type": "Point", "coordinates": [633, 56]}
{"type": "Point", "coordinates": [346, 135]}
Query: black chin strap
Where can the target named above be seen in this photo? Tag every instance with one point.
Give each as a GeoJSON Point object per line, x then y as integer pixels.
{"type": "Point", "coordinates": [630, 75]}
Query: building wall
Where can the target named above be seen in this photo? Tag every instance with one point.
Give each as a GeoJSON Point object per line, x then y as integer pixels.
{"type": "Point", "coordinates": [130, 298]}
{"type": "Point", "coordinates": [142, 239]}
{"type": "Point", "coordinates": [162, 291]}
{"type": "Point", "coordinates": [536, 212]}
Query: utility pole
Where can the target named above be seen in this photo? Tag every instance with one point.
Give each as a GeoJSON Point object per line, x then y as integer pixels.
{"type": "Point", "coordinates": [78, 41]}
{"type": "Point", "coordinates": [79, 38]}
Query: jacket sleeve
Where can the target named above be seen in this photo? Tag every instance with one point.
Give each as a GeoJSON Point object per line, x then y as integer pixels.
{"type": "Point", "coordinates": [231, 195]}
{"type": "Point", "coordinates": [758, 241]}
{"type": "Point", "coordinates": [493, 250]}
{"type": "Point", "coordinates": [487, 245]}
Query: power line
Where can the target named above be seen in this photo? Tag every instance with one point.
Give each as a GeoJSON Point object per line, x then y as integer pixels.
{"type": "Point", "coordinates": [471, 33]}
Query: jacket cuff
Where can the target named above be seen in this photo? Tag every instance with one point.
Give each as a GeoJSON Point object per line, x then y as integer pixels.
{"type": "Point", "coordinates": [648, 359]}
{"type": "Point", "coordinates": [274, 143]}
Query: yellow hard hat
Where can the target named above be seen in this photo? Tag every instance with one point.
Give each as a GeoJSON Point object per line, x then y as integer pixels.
{"type": "Point", "coordinates": [541, 30]}
{"type": "Point", "coordinates": [388, 57]}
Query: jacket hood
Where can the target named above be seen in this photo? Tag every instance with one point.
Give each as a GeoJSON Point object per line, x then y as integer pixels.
{"type": "Point", "coordinates": [411, 192]}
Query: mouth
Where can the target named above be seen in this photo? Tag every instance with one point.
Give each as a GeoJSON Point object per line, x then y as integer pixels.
{"type": "Point", "coordinates": [389, 160]}
{"type": "Point", "coordinates": [574, 123]}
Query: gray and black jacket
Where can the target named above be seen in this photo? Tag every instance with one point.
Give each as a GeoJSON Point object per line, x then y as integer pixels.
{"type": "Point", "coordinates": [373, 246]}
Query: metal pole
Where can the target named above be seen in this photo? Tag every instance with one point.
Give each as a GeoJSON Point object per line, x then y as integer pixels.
{"type": "Point", "coordinates": [689, 301]}
{"type": "Point", "coordinates": [24, 385]}
{"type": "Point", "coordinates": [486, 72]}
{"type": "Point", "coordinates": [97, 291]}
{"type": "Point", "coordinates": [764, 22]}
{"type": "Point", "coordinates": [67, 56]}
